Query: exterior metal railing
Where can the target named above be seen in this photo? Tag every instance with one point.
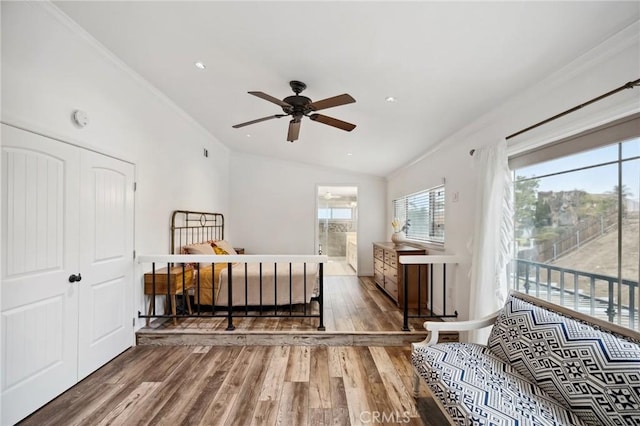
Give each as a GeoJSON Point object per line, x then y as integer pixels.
{"type": "Point", "coordinates": [183, 278]}
{"type": "Point", "coordinates": [580, 235]}
{"type": "Point", "coordinates": [598, 295]}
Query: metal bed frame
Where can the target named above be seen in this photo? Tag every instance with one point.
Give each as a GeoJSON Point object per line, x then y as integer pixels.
{"type": "Point", "coordinates": [192, 227]}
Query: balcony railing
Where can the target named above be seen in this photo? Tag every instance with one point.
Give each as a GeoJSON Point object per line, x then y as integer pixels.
{"type": "Point", "coordinates": [601, 296]}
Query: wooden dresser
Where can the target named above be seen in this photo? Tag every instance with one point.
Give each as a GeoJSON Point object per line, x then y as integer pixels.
{"type": "Point", "coordinates": [388, 273]}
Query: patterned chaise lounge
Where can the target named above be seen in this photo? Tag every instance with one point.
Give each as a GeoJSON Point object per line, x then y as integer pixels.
{"type": "Point", "coordinates": [543, 365]}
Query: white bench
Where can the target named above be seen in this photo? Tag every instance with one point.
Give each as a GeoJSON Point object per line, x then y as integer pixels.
{"type": "Point", "coordinates": [542, 365]}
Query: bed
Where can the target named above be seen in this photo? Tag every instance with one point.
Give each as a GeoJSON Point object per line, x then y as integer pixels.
{"type": "Point", "coordinates": [255, 284]}
{"type": "Point", "coordinates": [252, 283]}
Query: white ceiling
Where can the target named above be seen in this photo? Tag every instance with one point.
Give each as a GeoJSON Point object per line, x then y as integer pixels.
{"type": "Point", "coordinates": [447, 63]}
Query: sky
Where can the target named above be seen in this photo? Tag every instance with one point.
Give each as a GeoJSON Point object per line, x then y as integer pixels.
{"type": "Point", "coordinates": [596, 180]}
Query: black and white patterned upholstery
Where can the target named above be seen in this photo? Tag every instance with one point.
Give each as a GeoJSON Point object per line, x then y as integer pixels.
{"type": "Point", "coordinates": [540, 367]}
{"type": "Point", "coordinates": [593, 372]}
{"type": "Point", "coordinates": [477, 388]}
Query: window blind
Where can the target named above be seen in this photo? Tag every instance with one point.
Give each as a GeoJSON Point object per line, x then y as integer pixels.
{"type": "Point", "coordinates": [424, 212]}
{"type": "Point", "coordinates": [606, 134]}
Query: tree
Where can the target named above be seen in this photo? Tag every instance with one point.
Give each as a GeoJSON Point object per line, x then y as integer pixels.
{"type": "Point", "coordinates": [526, 194]}
{"type": "Point", "coordinates": [542, 214]}
{"type": "Point", "coordinates": [623, 192]}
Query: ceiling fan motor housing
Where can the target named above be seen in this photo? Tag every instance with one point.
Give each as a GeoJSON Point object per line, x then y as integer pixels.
{"type": "Point", "coordinates": [298, 106]}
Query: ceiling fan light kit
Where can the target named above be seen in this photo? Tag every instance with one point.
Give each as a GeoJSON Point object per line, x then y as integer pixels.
{"type": "Point", "coordinates": [298, 106]}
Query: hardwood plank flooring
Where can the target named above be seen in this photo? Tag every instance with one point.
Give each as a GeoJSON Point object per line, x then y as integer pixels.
{"type": "Point", "coordinates": [251, 385]}
{"type": "Point", "coordinates": [268, 371]}
{"type": "Point", "coordinates": [338, 266]}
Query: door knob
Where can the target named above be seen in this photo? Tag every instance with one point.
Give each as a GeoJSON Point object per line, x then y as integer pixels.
{"type": "Point", "coordinates": [73, 278]}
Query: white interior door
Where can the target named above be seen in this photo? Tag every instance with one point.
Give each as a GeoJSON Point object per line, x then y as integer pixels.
{"type": "Point", "coordinates": [65, 211]}
{"type": "Point", "coordinates": [106, 260]}
{"type": "Point", "coordinates": [39, 251]}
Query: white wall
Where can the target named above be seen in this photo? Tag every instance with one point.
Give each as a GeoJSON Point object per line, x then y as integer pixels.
{"type": "Point", "coordinates": [605, 68]}
{"type": "Point", "coordinates": [273, 206]}
{"type": "Point", "coordinates": [50, 67]}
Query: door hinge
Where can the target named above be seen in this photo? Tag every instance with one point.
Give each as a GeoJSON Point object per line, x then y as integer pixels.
{"type": "Point", "coordinates": [134, 254]}
{"type": "Point", "coordinates": [135, 186]}
{"type": "Point", "coordinates": [133, 323]}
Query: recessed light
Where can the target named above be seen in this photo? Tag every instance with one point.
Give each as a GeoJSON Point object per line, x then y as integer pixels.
{"type": "Point", "coordinates": [200, 65]}
{"type": "Point", "coordinates": [248, 135]}
{"type": "Point", "coordinates": [349, 154]}
{"type": "Point", "coordinates": [390, 99]}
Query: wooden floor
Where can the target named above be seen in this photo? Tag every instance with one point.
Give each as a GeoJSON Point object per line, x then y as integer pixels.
{"type": "Point", "coordinates": [250, 385]}
{"type": "Point", "coordinates": [338, 266]}
{"type": "Point", "coordinates": [266, 372]}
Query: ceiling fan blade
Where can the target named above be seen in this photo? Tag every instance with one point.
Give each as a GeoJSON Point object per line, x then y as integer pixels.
{"type": "Point", "coordinates": [294, 130]}
{"type": "Point", "coordinates": [333, 122]}
{"type": "Point", "coordinates": [331, 102]}
{"type": "Point", "coordinates": [270, 98]}
{"type": "Point", "coordinates": [237, 126]}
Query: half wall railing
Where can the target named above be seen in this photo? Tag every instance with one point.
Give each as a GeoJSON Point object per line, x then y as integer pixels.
{"type": "Point", "coordinates": [434, 263]}
{"type": "Point", "coordinates": [233, 286]}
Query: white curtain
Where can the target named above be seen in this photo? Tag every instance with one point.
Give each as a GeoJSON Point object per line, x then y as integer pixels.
{"type": "Point", "coordinates": [493, 234]}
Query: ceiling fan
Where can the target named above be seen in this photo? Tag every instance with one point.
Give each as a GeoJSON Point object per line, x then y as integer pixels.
{"type": "Point", "coordinates": [330, 196]}
{"type": "Point", "coordinates": [298, 106]}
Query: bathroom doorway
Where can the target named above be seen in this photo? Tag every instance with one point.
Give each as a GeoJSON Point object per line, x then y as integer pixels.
{"type": "Point", "coordinates": [336, 228]}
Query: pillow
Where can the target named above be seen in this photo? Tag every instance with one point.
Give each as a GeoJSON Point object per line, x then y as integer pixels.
{"type": "Point", "coordinates": [204, 248]}
{"type": "Point", "coordinates": [219, 250]}
{"type": "Point", "coordinates": [224, 245]}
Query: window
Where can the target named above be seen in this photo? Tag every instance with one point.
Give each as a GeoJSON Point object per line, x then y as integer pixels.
{"type": "Point", "coordinates": [424, 212]}
{"type": "Point", "coordinates": [577, 234]}
{"type": "Point", "coordinates": [335, 213]}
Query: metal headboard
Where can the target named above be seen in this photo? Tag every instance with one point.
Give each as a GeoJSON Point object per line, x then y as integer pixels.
{"type": "Point", "coordinates": [189, 227]}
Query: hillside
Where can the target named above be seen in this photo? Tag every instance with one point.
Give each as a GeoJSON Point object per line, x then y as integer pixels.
{"type": "Point", "coordinates": [600, 255]}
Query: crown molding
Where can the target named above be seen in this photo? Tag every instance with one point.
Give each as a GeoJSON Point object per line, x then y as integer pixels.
{"type": "Point", "coordinates": [622, 40]}
{"type": "Point", "coordinates": [603, 52]}
{"type": "Point", "coordinates": [74, 27]}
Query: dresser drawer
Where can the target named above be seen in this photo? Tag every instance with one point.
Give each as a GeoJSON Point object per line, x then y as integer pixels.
{"type": "Point", "coordinates": [378, 277]}
{"type": "Point", "coordinates": [378, 253]}
{"type": "Point", "coordinates": [390, 273]}
{"type": "Point", "coordinates": [393, 274]}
